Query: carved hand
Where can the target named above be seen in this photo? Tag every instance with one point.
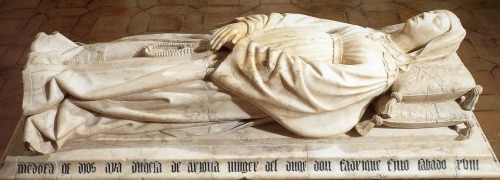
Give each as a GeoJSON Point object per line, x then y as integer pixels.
{"type": "Point", "coordinates": [265, 58]}
{"type": "Point", "coordinates": [228, 35]}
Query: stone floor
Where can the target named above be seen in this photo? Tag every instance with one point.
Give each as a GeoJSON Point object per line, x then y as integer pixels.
{"type": "Point", "coordinates": [91, 21]}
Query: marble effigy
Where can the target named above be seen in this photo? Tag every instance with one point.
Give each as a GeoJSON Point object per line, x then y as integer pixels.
{"type": "Point", "coordinates": [263, 96]}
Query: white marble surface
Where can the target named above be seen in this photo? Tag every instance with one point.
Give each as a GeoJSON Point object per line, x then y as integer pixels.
{"type": "Point", "coordinates": [263, 151]}
{"type": "Point", "coordinates": [314, 76]}
{"type": "Point", "coordinates": [146, 89]}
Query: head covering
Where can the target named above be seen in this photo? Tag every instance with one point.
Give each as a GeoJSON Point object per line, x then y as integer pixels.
{"type": "Point", "coordinates": [439, 47]}
{"type": "Point", "coordinates": [443, 45]}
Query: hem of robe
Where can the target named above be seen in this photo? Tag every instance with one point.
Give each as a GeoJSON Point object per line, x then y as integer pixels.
{"type": "Point", "coordinates": [41, 123]}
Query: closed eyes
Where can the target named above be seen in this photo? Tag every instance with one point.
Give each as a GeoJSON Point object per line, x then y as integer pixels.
{"type": "Point", "coordinates": [437, 22]}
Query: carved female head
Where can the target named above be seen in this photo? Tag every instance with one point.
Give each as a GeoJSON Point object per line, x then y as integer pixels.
{"type": "Point", "coordinates": [439, 31]}
{"type": "Point", "coordinates": [436, 34]}
{"type": "Point", "coordinates": [421, 29]}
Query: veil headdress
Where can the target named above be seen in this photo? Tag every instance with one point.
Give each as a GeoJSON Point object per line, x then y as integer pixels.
{"type": "Point", "coordinates": [437, 49]}
{"type": "Point", "coordinates": [441, 46]}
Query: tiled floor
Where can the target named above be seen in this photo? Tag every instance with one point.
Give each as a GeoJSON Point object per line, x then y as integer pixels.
{"type": "Point", "coordinates": [91, 21]}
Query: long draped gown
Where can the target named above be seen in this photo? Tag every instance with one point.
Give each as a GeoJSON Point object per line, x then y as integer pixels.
{"type": "Point", "coordinates": [315, 77]}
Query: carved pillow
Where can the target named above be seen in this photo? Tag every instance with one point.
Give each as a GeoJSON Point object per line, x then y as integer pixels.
{"type": "Point", "coordinates": [423, 114]}
{"type": "Point", "coordinates": [442, 80]}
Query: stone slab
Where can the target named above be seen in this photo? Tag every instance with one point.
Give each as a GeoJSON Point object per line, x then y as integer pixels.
{"type": "Point", "coordinates": [258, 153]}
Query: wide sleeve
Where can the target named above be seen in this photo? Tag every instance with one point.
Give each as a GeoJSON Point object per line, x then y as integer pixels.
{"type": "Point", "coordinates": [313, 99]}
{"type": "Point", "coordinates": [261, 22]}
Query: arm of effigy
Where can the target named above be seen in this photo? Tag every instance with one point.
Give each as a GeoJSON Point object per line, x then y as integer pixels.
{"type": "Point", "coordinates": [241, 27]}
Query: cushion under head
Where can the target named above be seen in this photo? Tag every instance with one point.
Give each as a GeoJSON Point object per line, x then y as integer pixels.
{"type": "Point", "coordinates": [442, 80]}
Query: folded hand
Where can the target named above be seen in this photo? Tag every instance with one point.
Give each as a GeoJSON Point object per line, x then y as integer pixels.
{"type": "Point", "coordinates": [228, 35]}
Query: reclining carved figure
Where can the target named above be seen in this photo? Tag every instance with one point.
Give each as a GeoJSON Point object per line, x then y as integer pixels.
{"type": "Point", "coordinates": [315, 77]}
